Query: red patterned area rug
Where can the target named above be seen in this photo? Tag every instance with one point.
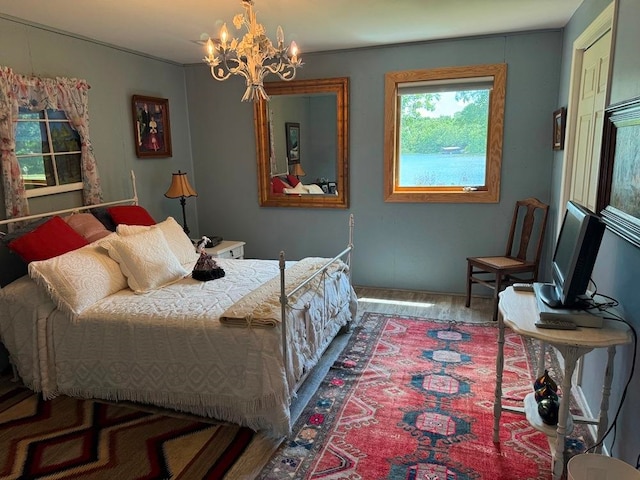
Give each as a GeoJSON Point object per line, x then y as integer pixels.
{"type": "Point", "coordinates": [412, 399]}
{"type": "Point", "coordinates": [69, 438]}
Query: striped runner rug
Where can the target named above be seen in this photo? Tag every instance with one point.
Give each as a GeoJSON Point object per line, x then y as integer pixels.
{"type": "Point", "coordinates": [68, 438]}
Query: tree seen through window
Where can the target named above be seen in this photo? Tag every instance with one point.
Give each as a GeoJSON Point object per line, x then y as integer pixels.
{"type": "Point", "coordinates": [48, 149]}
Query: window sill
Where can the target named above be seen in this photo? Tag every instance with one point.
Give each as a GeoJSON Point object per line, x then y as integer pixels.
{"type": "Point", "coordinates": [41, 192]}
{"type": "Point", "coordinates": [478, 196]}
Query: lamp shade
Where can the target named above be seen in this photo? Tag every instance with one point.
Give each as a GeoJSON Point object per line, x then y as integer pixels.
{"type": "Point", "coordinates": [180, 186]}
{"type": "Point", "coordinates": [298, 171]}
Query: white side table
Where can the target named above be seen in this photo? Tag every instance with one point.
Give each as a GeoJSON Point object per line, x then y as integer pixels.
{"type": "Point", "coordinates": [227, 249]}
{"type": "Point", "coordinates": [518, 311]}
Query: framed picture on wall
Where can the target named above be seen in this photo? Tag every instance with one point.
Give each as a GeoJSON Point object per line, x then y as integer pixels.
{"type": "Point", "coordinates": [559, 126]}
{"type": "Point", "coordinates": [292, 132]}
{"type": "Point", "coordinates": [619, 185]}
{"type": "Point", "coordinates": [151, 129]}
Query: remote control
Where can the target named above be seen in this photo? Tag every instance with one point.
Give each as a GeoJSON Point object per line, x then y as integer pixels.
{"type": "Point", "coordinates": [523, 287]}
{"type": "Point", "coordinates": [557, 324]}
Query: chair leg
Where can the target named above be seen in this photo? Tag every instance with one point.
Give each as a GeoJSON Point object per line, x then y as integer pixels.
{"type": "Point", "coordinates": [469, 270]}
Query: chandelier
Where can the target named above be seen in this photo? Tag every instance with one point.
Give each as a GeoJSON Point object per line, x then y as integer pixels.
{"type": "Point", "coordinates": [253, 56]}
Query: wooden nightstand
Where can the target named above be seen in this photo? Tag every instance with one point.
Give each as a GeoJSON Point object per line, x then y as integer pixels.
{"type": "Point", "coordinates": [227, 249]}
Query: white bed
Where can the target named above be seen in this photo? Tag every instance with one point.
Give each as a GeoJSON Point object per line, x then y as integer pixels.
{"type": "Point", "coordinates": [288, 184]}
{"type": "Point", "coordinates": [301, 189]}
{"type": "Point", "coordinates": [215, 348]}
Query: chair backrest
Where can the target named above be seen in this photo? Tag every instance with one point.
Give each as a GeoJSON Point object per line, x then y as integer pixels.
{"type": "Point", "coordinates": [528, 224]}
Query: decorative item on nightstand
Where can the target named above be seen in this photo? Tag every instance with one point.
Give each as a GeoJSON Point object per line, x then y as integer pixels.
{"type": "Point", "coordinates": [206, 242]}
{"type": "Point", "coordinates": [546, 395]}
{"type": "Point", "coordinates": [548, 410]}
{"type": "Point", "coordinates": [545, 380]}
{"type": "Point", "coordinates": [181, 188]}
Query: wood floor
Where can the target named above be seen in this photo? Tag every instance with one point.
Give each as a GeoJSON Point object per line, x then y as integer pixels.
{"type": "Point", "coordinates": [424, 304]}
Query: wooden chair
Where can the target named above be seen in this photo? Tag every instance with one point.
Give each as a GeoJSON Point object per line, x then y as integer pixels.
{"type": "Point", "coordinates": [518, 264]}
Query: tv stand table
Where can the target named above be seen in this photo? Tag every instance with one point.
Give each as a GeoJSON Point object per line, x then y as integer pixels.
{"type": "Point", "coordinates": [518, 310]}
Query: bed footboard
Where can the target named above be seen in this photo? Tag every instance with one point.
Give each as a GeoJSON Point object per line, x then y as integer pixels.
{"type": "Point", "coordinates": [345, 257]}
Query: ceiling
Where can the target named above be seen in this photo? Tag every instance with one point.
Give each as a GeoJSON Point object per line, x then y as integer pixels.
{"type": "Point", "coordinates": [170, 29]}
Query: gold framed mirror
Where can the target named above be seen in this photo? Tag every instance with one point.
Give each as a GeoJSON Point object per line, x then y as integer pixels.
{"type": "Point", "coordinates": [302, 138]}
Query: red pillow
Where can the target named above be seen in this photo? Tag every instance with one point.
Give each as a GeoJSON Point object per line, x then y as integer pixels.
{"type": "Point", "coordinates": [292, 180]}
{"type": "Point", "coordinates": [131, 215]}
{"type": "Point", "coordinates": [278, 185]}
{"type": "Point", "coordinates": [52, 238]}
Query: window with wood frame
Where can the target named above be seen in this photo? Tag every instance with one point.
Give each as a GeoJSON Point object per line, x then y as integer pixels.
{"type": "Point", "coordinates": [443, 134]}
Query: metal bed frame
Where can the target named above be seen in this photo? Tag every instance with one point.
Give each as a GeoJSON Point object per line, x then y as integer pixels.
{"type": "Point", "coordinates": [284, 298]}
{"type": "Point", "coordinates": [133, 200]}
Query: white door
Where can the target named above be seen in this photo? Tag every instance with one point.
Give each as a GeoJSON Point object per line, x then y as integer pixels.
{"type": "Point", "coordinates": [589, 122]}
{"type": "Point", "coordinates": [584, 131]}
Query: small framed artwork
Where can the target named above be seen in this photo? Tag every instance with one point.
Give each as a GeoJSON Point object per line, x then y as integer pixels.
{"type": "Point", "coordinates": [333, 190]}
{"type": "Point", "coordinates": [151, 129]}
{"type": "Point", "coordinates": [559, 125]}
{"type": "Point", "coordinates": [619, 183]}
{"type": "Point", "coordinates": [292, 132]}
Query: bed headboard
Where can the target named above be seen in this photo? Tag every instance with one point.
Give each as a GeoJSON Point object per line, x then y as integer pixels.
{"type": "Point", "coordinates": [12, 266]}
{"type": "Point", "coordinates": [133, 200]}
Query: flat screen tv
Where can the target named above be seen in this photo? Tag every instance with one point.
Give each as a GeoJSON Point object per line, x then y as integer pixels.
{"type": "Point", "coordinates": [574, 257]}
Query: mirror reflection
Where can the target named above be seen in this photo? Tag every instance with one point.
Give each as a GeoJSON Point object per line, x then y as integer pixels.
{"type": "Point", "coordinates": [302, 144]}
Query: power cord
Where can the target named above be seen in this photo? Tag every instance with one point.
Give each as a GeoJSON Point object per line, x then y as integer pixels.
{"type": "Point", "coordinates": [614, 316]}
{"type": "Point", "coordinates": [593, 304]}
{"type": "Point", "coordinates": [624, 393]}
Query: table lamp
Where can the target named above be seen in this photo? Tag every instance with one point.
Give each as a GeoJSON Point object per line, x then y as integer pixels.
{"type": "Point", "coordinates": [297, 170]}
{"type": "Point", "coordinates": [180, 188]}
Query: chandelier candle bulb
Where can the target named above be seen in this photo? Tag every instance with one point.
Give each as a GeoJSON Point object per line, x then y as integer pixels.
{"type": "Point", "coordinates": [253, 56]}
{"type": "Point", "coordinates": [280, 36]}
{"type": "Point", "coordinates": [224, 33]}
{"type": "Point", "coordinates": [211, 50]}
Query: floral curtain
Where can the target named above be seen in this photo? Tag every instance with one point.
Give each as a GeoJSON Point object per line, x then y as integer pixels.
{"type": "Point", "coordinates": [35, 93]}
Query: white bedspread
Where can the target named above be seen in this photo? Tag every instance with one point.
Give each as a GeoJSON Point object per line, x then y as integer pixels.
{"type": "Point", "coordinates": [261, 307]}
{"type": "Point", "coordinates": [168, 348]}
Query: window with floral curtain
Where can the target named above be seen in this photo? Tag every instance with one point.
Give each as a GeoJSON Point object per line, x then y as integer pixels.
{"type": "Point", "coordinates": [69, 95]}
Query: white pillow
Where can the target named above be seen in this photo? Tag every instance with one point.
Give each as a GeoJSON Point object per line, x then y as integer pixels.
{"type": "Point", "coordinates": [299, 189]}
{"type": "Point", "coordinates": [78, 279]}
{"type": "Point", "coordinates": [313, 188]}
{"type": "Point", "coordinates": [178, 241]}
{"type": "Point", "coordinates": [145, 259]}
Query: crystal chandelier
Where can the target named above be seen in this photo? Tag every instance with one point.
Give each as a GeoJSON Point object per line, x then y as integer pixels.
{"type": "Point", "coordinates": [253, 56]}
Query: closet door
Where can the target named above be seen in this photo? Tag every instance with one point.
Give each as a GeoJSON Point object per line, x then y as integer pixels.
{"type": "Point", "coordinates": [590, 118]}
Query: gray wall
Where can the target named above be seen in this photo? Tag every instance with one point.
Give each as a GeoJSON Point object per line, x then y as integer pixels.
{"type": "Point", "coordinates": [412, 246]}
{"type": "Point", "coordinates": [322, 143]}
{"type": "Point", "coordinates": [406, 246]}
{"type": "Point", "coordinates": [114, 76]}
{"type": "Point", "coordinates": [618, 263]}
{"type": "Point", "coordinates": [285, 110]}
